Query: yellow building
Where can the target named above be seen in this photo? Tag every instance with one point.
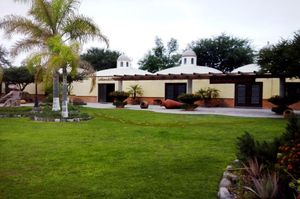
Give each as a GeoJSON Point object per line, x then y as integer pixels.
{"type": "Point", "coordinates": [243, 87]}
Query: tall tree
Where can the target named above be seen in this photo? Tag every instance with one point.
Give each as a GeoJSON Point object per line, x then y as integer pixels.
{"type": "Point", "coordinates": [223, 52]}
{"type": "Point", "coordinates": [101, 59]}
{"type": "Point", "coordinates": [282, 59]}
{"type": "Point", "coordinates": [3, 62]}
{"type": "Point", "coordinates": [49, 19]}
{"type": "Point", "coordinates": [161, 57]}
{"type": "Point", "coordinates": [19, 76]}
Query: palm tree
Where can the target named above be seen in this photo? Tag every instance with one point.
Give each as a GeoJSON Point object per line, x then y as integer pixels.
{"type": "Point", "coordinates": [49, 19]}
{"type": "Point", "coordinates": [135, 90]}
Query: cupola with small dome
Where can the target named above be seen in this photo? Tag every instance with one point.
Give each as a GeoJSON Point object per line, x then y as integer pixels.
{"type": "Point", "coordinates": [188, 65]}
{"type": "Point", "coordinates": [123, 61]}
{"type": "Point", "coordinates": [189, 57]}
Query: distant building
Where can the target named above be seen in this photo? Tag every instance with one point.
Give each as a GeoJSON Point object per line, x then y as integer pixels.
{"type": "Point", "coordinates": [243, 87]}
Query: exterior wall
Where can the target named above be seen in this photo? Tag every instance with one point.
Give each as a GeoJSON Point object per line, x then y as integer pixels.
{"type": "Point", "coordinates": [30, 88]}
{"type": "Point", "coordinates": [270, 87]}
{"type": "Point", "coordinates": [226, 90]}
{"type": "Point", "coordinates": [153, 89]}
{"type": "Point", "coordinates": [82, 88]}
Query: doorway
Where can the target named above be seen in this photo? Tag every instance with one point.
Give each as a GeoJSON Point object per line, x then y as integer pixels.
{"type": "Point", "coordinates": [103, 92]}
{"type": "Point", "coordinates": [173, 90]}
{"type": "Point", "coordinates": [248, 94]}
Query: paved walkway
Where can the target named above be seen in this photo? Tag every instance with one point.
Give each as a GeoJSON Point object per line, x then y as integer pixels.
{"type": "Point", "coordinates": [240, 112]}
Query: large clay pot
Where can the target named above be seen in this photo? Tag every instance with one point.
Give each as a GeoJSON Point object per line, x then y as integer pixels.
{"type": "Point", "coordinates": [171, 104]}
{"type": "Point", "coordinates": [144, 104]}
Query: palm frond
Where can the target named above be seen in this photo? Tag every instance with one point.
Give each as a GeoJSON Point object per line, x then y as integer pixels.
{"type": "Point", "coordinates": [83, 28]}
{"type": "Point", "coordinates": [90, 72]}
{"type": "Point", "coordinates": [25, 45]}
{"type": "Point", "coordinates": [42, 12]}
{"type": "Point", "coordinates": [63, 9]}
{"type": "Point", "coordinates": [12, 24]}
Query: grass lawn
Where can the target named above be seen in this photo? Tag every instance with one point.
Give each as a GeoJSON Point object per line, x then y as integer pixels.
{"type": "Point", "coordinates": [122, 154]}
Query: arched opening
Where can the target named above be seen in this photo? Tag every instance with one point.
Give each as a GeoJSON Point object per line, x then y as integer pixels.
{"type": "Point", "coordinates": [192, 61]}
{"type": "Point", "coordinates": [184, 60]}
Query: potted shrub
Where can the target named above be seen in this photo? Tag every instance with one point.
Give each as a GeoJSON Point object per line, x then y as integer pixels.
{"type": "Point", "coordinates": [209, 96]}
{"type": "Point", "coordinates": [189, 101]}
{"type": "Point", "coordinates": [134, 91]}
{"type": "Point", "coordinates": [144, 104]}
{"type": "Point", "coordinates": [282, 103]}
{"type": "Point", "coordinates": [119, 97]}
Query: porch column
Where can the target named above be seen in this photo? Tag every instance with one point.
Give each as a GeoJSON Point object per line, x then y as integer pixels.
{"type": "Point", "coordinates": [120, 85]}
{"type": "Point", "coordinates": [189, 86]}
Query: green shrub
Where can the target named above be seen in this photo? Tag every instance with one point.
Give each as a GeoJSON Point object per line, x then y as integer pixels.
{"type": "Point", "coordinates": [78, 101]}
{"type": "Point", "coordinates": [15, 111]}
{"type": "Point", "coordinates": [249, 148]}
{"type": "Point", "coordinates": [282, 103]}
{"type": "Point", "coordinates": [119, 95]}
{"type": "Point", "coordinates": [208, 93]}
{"type": "Point", "coordinates": [188, 98]}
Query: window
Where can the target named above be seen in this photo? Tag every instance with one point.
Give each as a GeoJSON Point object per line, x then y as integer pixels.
{"type": "Point", "coordinates": [121, 64]}
{"type": "Point", "coordinates": [184, 60]}
{"type": "Point", "coordinates": [127, 64]}
{"type": "Point", "coordinates": [192, 61]}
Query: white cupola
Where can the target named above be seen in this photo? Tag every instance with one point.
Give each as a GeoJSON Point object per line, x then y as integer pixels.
{"type": "Point", "coordinates": [123, 61]}
{"type": "Point", "coordinates": [189, 57]}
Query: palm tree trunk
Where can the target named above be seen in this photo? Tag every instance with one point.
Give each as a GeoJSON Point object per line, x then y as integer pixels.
{"type": "Point", "coordinates": [64, 104]}
{"type": "Point", "coordinates": [55, 105]}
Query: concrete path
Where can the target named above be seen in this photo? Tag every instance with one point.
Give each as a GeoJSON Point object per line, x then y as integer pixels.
{"type": "Point", "coordinates": [240, 112]}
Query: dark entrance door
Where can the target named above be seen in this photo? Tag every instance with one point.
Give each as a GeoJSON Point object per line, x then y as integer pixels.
{"type": "Point", "coordinates": [172, 90]}
{"type": "Point", "coordinates": [248, 94]}
{"type": "Point", "coordinates": [103, 92]}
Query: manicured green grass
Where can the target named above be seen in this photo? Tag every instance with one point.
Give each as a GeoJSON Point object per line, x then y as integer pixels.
{"type": "Point", "coordinates": [122, 154]}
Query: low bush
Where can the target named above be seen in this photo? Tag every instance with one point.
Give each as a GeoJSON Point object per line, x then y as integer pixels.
{"type": "Point", "coordinates": [282, 103]}
{"type": "Point", "coordinates": [281, 156]}
{"type": "Point", "coordinates": [14, 111]}
{"type": "Point", "coordinates": [189, 98]}
{"type": "Point", "coordinates": [249, 148]}
{"type": "Point", "coordinates": [78, 101]}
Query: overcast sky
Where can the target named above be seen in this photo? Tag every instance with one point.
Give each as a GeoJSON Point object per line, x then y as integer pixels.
{"type": "Point", "coordinates": [132, 25]}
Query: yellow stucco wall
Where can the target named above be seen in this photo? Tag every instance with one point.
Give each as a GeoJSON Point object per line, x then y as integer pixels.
{"type": "Point", "coordinates": [270, 87]}
{"type": "Point", "coordinates": [30, 88]}
{"type": "Point", "coordinates": [151, 88]}
{"type": "Point", "coordinates": [226, 90]}
{"type": "Point", "coordinates": [82, 88]}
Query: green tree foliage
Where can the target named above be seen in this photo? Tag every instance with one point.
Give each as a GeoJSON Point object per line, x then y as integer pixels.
{"type": "Point", "coordinates": [3, 62]}
{"type": "Point", "coordinates": [223, 52]}
{"type": "Point", "coordinates": [160, 57]}
{"type": "Point", "coordinates": [50, 19]}
{"type": "Point", "coordinates": [282, 58]}
{"type": "Point", "coordinates": [101, 59]}
{"type": "Point", "coordinates": [19, 76]}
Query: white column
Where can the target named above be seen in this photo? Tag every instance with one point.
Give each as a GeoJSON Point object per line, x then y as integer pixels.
{"type": "Point", "coordinates": [120, 85]}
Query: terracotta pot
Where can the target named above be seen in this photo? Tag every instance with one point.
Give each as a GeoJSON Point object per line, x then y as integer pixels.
{"type": "Point", "coordinates": [171, 104]}
{"type": "Point", "coordinates": [144, 104]}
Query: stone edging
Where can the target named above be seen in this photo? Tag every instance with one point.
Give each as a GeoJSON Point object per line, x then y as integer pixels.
{"type": "Point", "coordinates": [42, 119]}
{"type": "Point", "coordinates": [228, 179]}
